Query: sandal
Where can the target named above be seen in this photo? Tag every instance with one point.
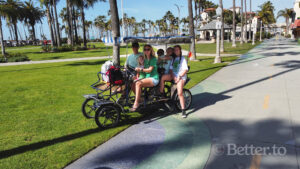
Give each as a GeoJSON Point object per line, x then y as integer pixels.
{"type": "Point", "coordinates": [134, 109]}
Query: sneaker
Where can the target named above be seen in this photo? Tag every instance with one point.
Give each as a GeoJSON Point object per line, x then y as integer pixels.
{"type": "Point", "coordinates": [183, 114]}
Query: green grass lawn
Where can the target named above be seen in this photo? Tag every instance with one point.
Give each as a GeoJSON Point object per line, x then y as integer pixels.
{"type": "Point", "coordinates": [228, 49]}
{"type": "Point", "coordinates": [35, 52]}
{"type": "Point", "coordinates": [41, 121]}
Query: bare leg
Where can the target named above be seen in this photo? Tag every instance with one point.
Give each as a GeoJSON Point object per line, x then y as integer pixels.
{"type": "Point", "coordinates": [138, 89]}
{"type": "Point", "coordinates": [180, 86]}
{"type": "Point", "coordinates": [164, 78]}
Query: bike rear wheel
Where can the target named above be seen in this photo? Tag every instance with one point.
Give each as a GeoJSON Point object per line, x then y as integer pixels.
{"type": "Point", "coordinates": [187, 100]}
{"type": "Point", "coordinates": [107, 116]}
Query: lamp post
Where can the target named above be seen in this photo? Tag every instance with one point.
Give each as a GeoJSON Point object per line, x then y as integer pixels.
{"type": "Point", "coordinates": [178, 18]}
{"type": "Point", "coordinates": [218, 28]}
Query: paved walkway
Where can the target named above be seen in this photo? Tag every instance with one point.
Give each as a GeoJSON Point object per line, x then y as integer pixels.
{"type": "Point", "coordinates": [252, 102]}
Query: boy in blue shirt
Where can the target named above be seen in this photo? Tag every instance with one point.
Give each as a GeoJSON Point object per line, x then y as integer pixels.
{"type": "Point", "coordinates": [132, 59]}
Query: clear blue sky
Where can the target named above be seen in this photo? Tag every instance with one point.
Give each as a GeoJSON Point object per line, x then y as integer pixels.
{"type": "Point", "coordinates": [148, 9]}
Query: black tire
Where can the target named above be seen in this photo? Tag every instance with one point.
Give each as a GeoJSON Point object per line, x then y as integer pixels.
{"type": "Point", "coordinates": [187, 99]}
{"type": "Point", "coordinates": [107, 116]}
{"type": "Point", "coordinates": [89, 108]}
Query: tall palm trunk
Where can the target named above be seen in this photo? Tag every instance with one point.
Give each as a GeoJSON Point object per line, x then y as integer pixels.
{"type": "Point", "coordinates": [242, 23]}
{"type": "Point", "coordinates": [75, 26]}
{"type": "Point", "coordinates": [16, 33]}
{"type": "Point", "coordinates": [222, 27]}
{"type": "Point", "coordinates": [192, 31]}
{"type": "Point", "coordinates": [246, 23]}
{"type": "Point", "coordinates": [83, 25]}
{"type": "Point", "coordinates": [50, 26]}
{"type": "Point", "coordinates": [53, 26]}
{"type": "Point", "coordinates": [2, 42]}
{"type": "Point", "coordinates": [57, 25]}
{"type": "Point", "coordinates": [70, 24]}
{"type": "Point", "coordinates": [33, 33]}
{"type": "Point", "coordinates": [115, 30]}
{"type": "Point", "coordinates": [233, 26]}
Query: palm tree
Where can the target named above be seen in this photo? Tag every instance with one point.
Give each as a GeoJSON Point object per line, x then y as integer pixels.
{"type": "Point", "coordinates": [191, 28]}
{"type": "Point", "coordinates": [115, 31]}
{"type": "Point", "coordinates": [3, 8]}
{"type": "Point", "coordinates": [242, 23]}
{"type": "Point", "coordinates": [233, 25]}
{"type": "Point", "coordinates": [84, 4]}
{"type": "Point", "coordinates": [266, 13]}
{"type": "Point", "coordinates": [14, 14]}
{"type": "Point", "coordinates": [46, 3]}
{"type": "Point", "coordinates": [246, 23]}
{"type": "Point", "coordinates": [100, 24]}
{"type": "Point", "coordinates": [33, 15]}
{"type": "Point", "coordinates": [70, 23]}
{"type": "Point", "coordinates": [287, 14]}
{"type": "Point", "coordinates": [222, 27]}
{"type": "Point", "coordinates": [58, 38]}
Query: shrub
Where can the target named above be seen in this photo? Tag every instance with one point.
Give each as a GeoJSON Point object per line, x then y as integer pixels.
{"type": "Point", "coordinates": [288, 36]}
{"type": "Point", "coordinates": [78, 48]}
{"type": "Point", "coordinates": [46, 48]}
{"type": "Point", "coordinates": [65, 48]}
{"type": "Point", "coordinates": [14, 57]}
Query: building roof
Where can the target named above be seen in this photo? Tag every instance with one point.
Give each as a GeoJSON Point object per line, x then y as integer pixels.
{"type": "Point", "coordinates": [212, 26]}
{"type": "Point", "coordinates": [209, 9]}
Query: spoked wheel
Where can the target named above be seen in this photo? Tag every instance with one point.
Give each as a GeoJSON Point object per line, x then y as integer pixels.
{"type": "Point", "coordinates": [187, 99]}
{"type": "Point", "coordinates": [107, 117]}
{"type": "Point", "coordinates": [88, 108]}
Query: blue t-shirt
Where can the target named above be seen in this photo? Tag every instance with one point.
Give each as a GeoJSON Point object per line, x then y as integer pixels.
{"type": "Point", "coordinates": [132, 60]}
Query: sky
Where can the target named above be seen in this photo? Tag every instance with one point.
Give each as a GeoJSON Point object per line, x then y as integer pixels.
{"type": "Point", "coordinates": [145, 9]}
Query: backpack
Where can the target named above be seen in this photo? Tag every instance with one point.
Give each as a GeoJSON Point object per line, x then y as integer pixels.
{"type": "Point", "coordinates": [104, 69]}
{"type": "Point", "coordinates": [115, 76]}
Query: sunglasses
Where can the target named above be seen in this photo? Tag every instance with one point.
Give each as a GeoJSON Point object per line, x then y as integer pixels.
{"type": "Point", "coordinates": [147, 49]}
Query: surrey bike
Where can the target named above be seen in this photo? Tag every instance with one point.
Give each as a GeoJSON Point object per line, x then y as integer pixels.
{"type": "Point", "coordinates": [114, 95]}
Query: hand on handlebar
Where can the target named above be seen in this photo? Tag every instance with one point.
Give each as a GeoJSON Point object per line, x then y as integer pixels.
{"type": "Point", "coordinates": [138, 69]}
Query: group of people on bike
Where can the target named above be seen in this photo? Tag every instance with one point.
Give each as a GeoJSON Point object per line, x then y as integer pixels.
{"type": "Point", "coordinates": [146, 65]}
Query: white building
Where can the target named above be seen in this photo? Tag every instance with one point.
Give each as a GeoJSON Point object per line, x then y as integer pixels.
{"type": "Point", "coordinates": [297, 9]}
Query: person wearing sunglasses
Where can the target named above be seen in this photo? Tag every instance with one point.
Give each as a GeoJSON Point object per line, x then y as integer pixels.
{"type": "Point", "coordinates": [151, 75]}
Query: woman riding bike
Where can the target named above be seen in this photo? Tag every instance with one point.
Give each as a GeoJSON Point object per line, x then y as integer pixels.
{"type": "Point", "coordinates": [151, 75]}
{"type": "Point", "coordinates": [178, 71]}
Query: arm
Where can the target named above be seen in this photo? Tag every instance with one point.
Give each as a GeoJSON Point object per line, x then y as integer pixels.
{"type": "Point", "coordinates": [184, 67]}
{"type": "Point", "coordinates": [148, 70]}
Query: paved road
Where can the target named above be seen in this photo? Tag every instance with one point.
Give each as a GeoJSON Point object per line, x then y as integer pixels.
{"type": "Point", "coordinates": [252, 104]}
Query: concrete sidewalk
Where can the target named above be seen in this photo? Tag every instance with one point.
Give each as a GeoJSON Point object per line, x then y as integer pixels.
{"type": "Point", "coordinates": [253, 101]}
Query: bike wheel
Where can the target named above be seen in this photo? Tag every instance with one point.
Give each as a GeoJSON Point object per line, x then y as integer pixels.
{"type": "Point", "coordinates": [88, 108]}
{"type": "Point", "coordinates": [107, 117]}
{"type": "Point", "coordinates": [187, 100]}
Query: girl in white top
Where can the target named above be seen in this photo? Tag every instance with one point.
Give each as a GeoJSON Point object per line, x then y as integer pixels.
{"type": "Point", "coordinates": [178, 71]}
